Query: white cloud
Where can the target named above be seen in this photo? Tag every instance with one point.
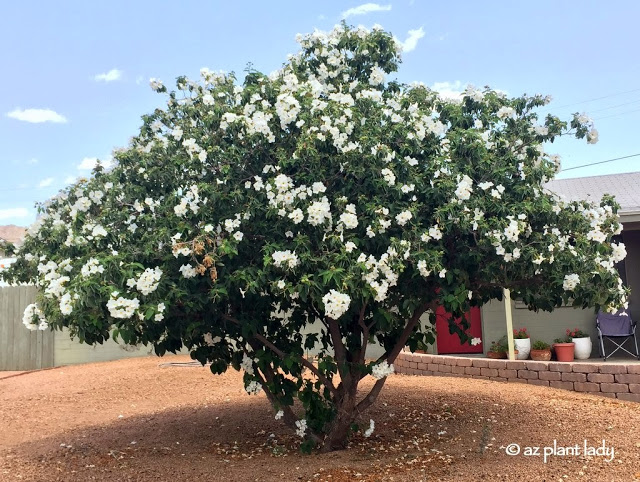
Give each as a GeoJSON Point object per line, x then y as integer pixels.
{"type": "Point", "coordinates": [14, 213]}
{"type": "Point", "coordinates": [113, 74]}
{"type": "Point", "coordinates": [33, 160]}
{"type": "Point", "coordinates": [412, 39]}
{"type": "Point", "coordinates": [364, 9]}
{"type": "Point", "coordinates": [449, 90]}
{"type": "Point", "coordinates": [70, 180]}
{"type": "Point", "coordinates": [46, 182]}
{"type": "Point", "coordinates": [139, 80]}
{"type": "Point", "coordinates": [89, 163]}
{"type": "Point", "coordinates": [36, 116]}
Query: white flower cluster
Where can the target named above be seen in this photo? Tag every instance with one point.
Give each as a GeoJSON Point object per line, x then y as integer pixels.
{"type": "Point", "coordinates": [148, 281]}
{"type": "Point", "coordinates": [404, 217]}
{"type": "Point", "coordinates": [336, 304]}
{"type": "Point", "coordinates": [190, 200]}
{"type": "Point", "coordinates": [570, 282]}
{"type": "Point", "coordinates": [301, 427]}
{"type": "Point", "coordinates": [92, 266]}
{"type": "Point", "coordinates": [159, 316]}
{"type": "Point", "coordinates": [122, 308]}
{"type": "Point", "coordinates": [382, 370]}
{"type": "Point", "coordinates": [369, 431]}
{"type": "Point", "coordinates": [66, 305]}
{"type": "Point", "coordinates": [188, 271]}
{"type": "Point", "coordinates": [465, 188]}
{"type": "Point", "coordinates": [33, 318]}
{"type": "Point", "coordinates": [253, 388]}
{"type": "Point", "coordinates": [247, 364]}
{"type": "Point", "coordinates": [287, 258]}
{"type": "Point", "coordinates": [349, 219]}
{"type": "Point", "coordinates": [319, 211]}
{"type": "Point", "coordinates": [422, 268]}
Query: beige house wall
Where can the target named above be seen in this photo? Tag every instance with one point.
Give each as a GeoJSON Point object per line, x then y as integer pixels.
{"type": "Point", "coordinates": [70, 352]}
{"type": "Point", "coordinates": [541, 325]}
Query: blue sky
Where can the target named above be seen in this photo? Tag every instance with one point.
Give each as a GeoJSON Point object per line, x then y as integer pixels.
{"type": "Point", "coordinates": [81, 69]}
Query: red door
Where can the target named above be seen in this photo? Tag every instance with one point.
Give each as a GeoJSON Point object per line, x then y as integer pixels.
{"type": "Point", "coordinates": [448, 343]}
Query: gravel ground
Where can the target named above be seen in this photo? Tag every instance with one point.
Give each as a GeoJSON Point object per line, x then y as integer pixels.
{"type": "Point", "coordinates": [133, 420]}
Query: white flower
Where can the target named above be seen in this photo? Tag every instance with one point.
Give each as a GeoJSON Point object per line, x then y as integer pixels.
{"type": "Point", "coordinates": [279, 414]}
{"type": "Point", "coordinates": [369, 431]}
{"type": "Point", "coordinates": [382, 370]}
{"type": "Point", "coordinates": [377, 76]}
{"type": "Point", "coordinates": [285, 258]}
{"type": "Point", "coordinates": [238, 235]}
{"type": "Point", "coordinates": [253, 388]}
{"type": "Point", "coordinates": [302, 427]}
{"type": "Point", "coordinates": [592, 136]}
{"type": "Point", "coordinates": [247, 364]}
{"type": "Point", "coordinates": [318, 188]}
{"type": "Point", "coordinates": [296, 216]}
{"type": "Point", "coordinates": [464, 189]}
{"type": "Point", "coordinates": [33, 318]}
{"type": "Point", "coordinates": [188, 271]}
{"type": "Point", "coordinates": [570, 282]}
{"type": "Point", "coordinates": [336, 304]}
{"type": "Point", "coordinates": [92, 266]}
{"type": "Point", "coordinates": [349, 246]}
{"type": "Point", "coordinates": [149, 280]}
{"type": "Point", "coordinates": [404, 217]}
{"type": "Point", "coordinates": [66, 306]}
{"type": "Point", "coordinates": [388, 176]}
{"type": "Point", "coordinates": [422, 268]}
{"type": "Point", "coordinates": [349, 218]}
{"type": "Point", "coordinates": [505, 112]}
{"type": "Point", "coordinates": [122, 308]}
{"type": "Point", "coordinates": [442, 273]}
{"type": "Point", "coordinates": [619, 252]}
{"type": "Point", "coordinates": [476, 341]}
{"type": "Point", "coordinates": [318, 212]}
{"type": "Point", "coordinates": [485, 185]}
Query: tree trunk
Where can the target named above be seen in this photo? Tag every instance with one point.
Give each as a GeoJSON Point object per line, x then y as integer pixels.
{"type": "Point", "coordinates": [338, 433]}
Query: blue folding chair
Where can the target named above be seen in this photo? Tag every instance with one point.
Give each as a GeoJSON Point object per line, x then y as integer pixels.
{"type": "Point", "coordinates": [617, 328]}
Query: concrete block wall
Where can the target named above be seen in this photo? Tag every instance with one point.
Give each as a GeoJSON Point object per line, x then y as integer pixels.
{"type": "Point", "coordinates": [614, 380]}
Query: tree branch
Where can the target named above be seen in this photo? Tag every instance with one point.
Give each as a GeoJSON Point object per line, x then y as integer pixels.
{"type": "Point", "coordinates": [289, 417]}
{"type": "Point", "coordinates": [282, 355]}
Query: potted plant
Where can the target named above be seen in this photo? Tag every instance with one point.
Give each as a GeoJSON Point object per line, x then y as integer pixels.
{"type": "Point", "coordinates": [582, 343]}
{"type": "Point", "coordinates": [496, 350]}
{"type": "Point", "coordinates": [500, 349]}
{"type": "Point", "coordinates": [563, 348]}
{"type": "Point", "coordinates": [540, 351]}
{"type": "Point", "coordinates": [522, 343]}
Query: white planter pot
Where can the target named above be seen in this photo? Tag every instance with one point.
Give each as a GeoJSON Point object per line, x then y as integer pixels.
{"type": "Point", "coordinates": [523, 345]}
{"type": "Point", "coordinates": [583, 348]}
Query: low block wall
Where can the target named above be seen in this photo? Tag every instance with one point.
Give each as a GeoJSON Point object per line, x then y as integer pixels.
{"type": "Point", "coordinates": [614, 380]}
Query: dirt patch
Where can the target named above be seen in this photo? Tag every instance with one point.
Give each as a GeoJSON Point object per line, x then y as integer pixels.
{"type": "Point", "coordinates": [132, 420]}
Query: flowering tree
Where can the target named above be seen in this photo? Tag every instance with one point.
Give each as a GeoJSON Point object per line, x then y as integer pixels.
{"type": "Point", "coordinates": [321, 208]}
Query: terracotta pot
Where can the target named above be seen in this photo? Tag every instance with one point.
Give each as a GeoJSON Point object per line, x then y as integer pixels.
{"type": "Point", "coordinates": [564, 351]}
{"type": "Point", "coordinates": [496, 355]}
{"type": "Point", "coordinates": [541, 355]}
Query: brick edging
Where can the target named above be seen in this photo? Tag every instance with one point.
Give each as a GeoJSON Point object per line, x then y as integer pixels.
{"type": "Point", "coordinates": [614, 380]}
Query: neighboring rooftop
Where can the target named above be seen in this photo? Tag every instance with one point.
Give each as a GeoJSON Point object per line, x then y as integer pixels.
{"type": "Point", "coordinates": [625, 187]}
{"type": "Point", "coordinates": [12, 233]}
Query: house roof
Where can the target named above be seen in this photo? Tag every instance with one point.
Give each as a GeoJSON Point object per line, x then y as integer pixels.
{"type": "Point", "coordinates": [625, 187]}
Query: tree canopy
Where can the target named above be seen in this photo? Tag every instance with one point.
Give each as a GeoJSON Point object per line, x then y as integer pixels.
{"type": "Point", "coordinates": [321, 208]}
